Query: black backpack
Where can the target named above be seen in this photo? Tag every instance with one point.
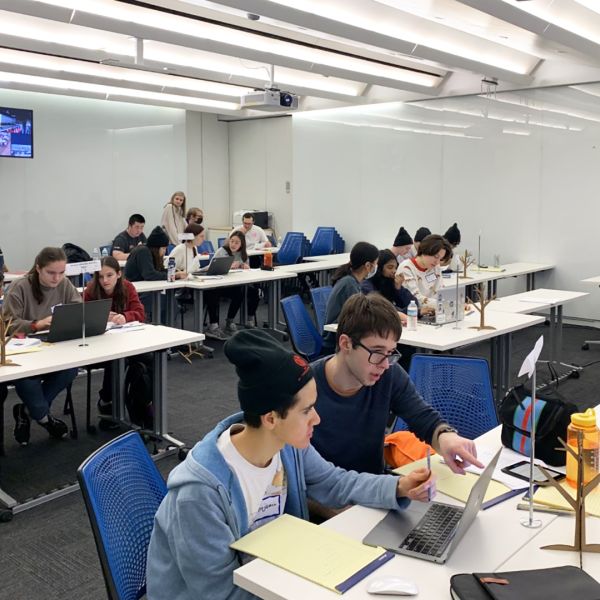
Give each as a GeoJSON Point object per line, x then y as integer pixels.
{"type": "Point", "coordinates": [75, 253]}
{"type": "Point", "coordinates": [138, 392]}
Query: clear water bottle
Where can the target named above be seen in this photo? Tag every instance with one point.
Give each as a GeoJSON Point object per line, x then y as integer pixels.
{"type": "Point", "coordinates": [96, 254]}
{"type": "Point", "coordinates": [171, 269]}
{"type": "Point", "coordinates": [583, 424]}
{"type": "Point", "coordinates": [412, 312]}
{"type": "Point", "coordinates": [440, 312]}
{"type": "Point", "coordinates": [104, 252]}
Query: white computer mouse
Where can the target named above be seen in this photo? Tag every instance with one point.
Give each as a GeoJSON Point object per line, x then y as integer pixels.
{"type": "Point", "coordinates": [393, 586]}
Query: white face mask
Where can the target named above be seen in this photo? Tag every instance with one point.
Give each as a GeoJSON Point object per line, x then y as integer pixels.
{"type": "Point", "coordinates": [371, 272]}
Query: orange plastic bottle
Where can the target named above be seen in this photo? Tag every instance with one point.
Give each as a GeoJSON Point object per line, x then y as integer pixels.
{"type": "Point", "coordinates": [586, 424]}
{"type": "Point", "coordinates": [268, 260]}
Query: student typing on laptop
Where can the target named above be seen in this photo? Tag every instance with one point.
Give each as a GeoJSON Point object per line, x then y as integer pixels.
{"type": "Point", "coordinates": [251, 468]}
{"type": "Point", "coordinates": [362, 383]}
{"type": "Point", "coordinates": [29, 301]}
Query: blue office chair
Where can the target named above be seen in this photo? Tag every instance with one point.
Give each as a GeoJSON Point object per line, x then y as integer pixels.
{"type": "Point", "coordinates": [305, 339]}
{"type": "Point", "coordinates": [323, 241]}
{"type": "Point", "coordinates": [122, 490]}
{"type": "Point", "coordinates": [319, 296]}
{"type": "Point", "coordinates": [220, 241]}
{"type": "Point", "coordinates": [206, 247]}
{"type": "Point", "coordinates": [170, 249]}
{"type": "Point", "coordinates": [460, 389]}
{"type": "Point", "coordinates": [291, 249]}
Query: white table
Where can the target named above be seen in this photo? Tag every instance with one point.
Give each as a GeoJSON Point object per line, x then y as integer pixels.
{"type": "Point", "coordinates": [102, 348]}
{"type": "Point", "coordinates": [339, 259]}
{"type": "Point", "coordinates": [494, 537]}
{"type": "Point", "coordinates": [442, 338]}
{"type": "Point", "coordinates": [10, 277]}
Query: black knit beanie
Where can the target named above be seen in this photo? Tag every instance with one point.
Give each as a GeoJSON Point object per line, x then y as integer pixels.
{"type": "Point", "coordinates": [269, 374]}
{"type": "Point", "coordinates": [453, 235]}
{"type": "Point", "coordinates": [421, 234]}
{"type": "Point", "coordinates": [402, 238]}
{"type": "Point", "coordinates": [157, 238]}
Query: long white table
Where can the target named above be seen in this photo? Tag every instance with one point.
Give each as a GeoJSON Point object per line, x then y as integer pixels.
{"type": "Point", "coordinates": [495, 537]}
{"type": "Point", "coordinates": [450, 336]}
{"type": "Point", "coordinates": [114, 347]}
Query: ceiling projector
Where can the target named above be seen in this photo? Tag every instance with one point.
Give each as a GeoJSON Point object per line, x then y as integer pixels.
{"type": "Point", "coordinates": [270, 99]}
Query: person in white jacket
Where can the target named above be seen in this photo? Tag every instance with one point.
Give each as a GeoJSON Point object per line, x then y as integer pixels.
{"type": "Point", "coordinates": [186, 253]}
{"type": "Point", "coordinates": [173, 217]}
{"type": "Point", "coordinates": [422, 274]}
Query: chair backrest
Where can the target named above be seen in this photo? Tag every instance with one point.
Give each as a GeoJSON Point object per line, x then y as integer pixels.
{"type": "Point", "coordinates": [290, 251]}
{"type": "Point", "coordinates": [323, 241]}
{"type": "Point", "coordinates": [170, 249]}
{"type": "Point", "coordinates": [122, 490]}
{"type": "Point", "coordinates": [460, 389]}
{"type": "Point", "coordinates": [306, 340]}
{"type": "Point", "coordinates": [206, 247]}
{"type": "Point", "coordinates": [220, 241]}
{"type": "Point", "coordinates": [320, 296]}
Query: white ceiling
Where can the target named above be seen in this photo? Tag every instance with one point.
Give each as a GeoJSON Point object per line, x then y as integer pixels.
{"type": "Point", "coordinates": [202, 55]}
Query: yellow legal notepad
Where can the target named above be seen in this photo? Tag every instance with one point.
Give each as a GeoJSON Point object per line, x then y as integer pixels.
{"type": "Point", "coordinates": [316, 553]}
{"type": "Point", "coordinates": [549, 496]}
{"type": "Point", "coordinates": [453, 485]}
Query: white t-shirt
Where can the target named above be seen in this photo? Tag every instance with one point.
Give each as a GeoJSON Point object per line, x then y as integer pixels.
{"type": "Point", "coordinates": [256, 235]}
{"type": "Point", "coordinates": [264, 488]}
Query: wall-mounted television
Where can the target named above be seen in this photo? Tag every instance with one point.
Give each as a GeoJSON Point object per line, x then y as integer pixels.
{"type": "Point", "coordinates": [16, 132]}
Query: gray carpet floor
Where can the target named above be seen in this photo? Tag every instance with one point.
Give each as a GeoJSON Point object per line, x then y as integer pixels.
{"type": "Point", "coordinates": [48, 552]}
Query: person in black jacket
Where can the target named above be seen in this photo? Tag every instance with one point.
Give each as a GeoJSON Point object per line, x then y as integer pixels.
{"type": "Point", "coordinates": [145, 263]}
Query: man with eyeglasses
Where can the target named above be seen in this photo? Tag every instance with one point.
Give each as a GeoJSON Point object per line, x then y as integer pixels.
{"type": "Point", "coordinates": [362, 383]}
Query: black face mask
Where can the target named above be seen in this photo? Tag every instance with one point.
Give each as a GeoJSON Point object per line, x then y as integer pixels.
{"type": "Point", "coordinates": [199, 220]}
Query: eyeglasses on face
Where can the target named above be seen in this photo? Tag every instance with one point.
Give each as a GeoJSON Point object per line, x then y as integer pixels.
{"type": "Point", "coordinates": [376, 357]}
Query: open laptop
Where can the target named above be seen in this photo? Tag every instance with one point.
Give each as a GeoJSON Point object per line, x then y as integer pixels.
{"type": "Point", "coordinates": [67, 320]}
{"type": "Point", "coordinates": [219, 265]}
{"type": "Point", "coordinates": [447, 310]}
{"type": "Point", "coordinates": [432, 530]}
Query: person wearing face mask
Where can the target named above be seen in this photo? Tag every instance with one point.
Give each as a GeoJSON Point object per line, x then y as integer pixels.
{"type": "Point", "coordinates": [346, 282]}
{"type": "Point", "coordinates": [422, 274]}
{"type": "Point", "coordinates": [194, 216]}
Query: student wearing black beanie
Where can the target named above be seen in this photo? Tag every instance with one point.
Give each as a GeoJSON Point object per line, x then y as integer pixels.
{"type": "Point", "coordinates": [252, 468]}
{"type": "Point", "coordinates": [420, 235]}
{"type": "Point", "coordinates": [452, 235]}
{"type": "Point", "coordinates": [403, 245]}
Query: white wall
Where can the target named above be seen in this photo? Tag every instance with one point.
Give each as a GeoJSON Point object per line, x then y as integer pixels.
{"type": "Point", "coordinates": [260, 168]}
{"type": "Point", "coordinates": [95, 163]}
{"type": "Point", "coordinates": [532, 197]}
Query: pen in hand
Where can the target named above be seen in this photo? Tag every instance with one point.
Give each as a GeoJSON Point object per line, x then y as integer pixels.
{"type": "Point", "coordinates": [429, 469]}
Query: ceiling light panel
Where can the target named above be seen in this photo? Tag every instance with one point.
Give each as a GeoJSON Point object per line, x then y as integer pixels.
{"type": "Point", "coordinates": [107, 91]}
{"type": "Point", "coordinates": [77, 67]}
{"type": "Point", "coordinates": [242, 39]}
{"type": "Point", "coordinates": [391, 20]}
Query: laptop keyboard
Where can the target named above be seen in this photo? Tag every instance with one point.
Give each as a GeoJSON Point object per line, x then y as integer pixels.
{"type": "Point", "coordinates": [434, 531]}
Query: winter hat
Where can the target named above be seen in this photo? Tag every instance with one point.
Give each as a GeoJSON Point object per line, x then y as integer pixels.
{"type": "Point", "coordinates": [421, 234]}
{"type": "Point", "coordinates": [402, 238]}
{"type": "Point", "coordinates": [453, 235]}
{"type": "Point", "coordinates": [157, 238]}
{"type": "Point", "coordinates": [269, 374]}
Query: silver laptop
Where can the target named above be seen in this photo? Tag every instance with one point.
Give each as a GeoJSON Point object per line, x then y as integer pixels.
{"type": "Point", "coordinates": [432, 530]}
{"type": "Point", "coordinates": [67, 320]}
{"type": "Point", "coordinates": [219, 265]}
{"type": "Point", "coordinates": [448, 309]}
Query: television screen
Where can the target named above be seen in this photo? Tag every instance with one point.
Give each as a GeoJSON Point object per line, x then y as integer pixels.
{"type": "Point", "coordinates": [16, 132]}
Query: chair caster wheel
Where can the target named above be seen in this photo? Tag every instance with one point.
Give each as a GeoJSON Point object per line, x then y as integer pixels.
{"type": "Point", "coordinates": [6, 516]}
{"type": "Point", "coordinates": [585, 347]}
{"type": "Point", "coordinates": [183, 452]}
{"type": "Point", "coordinates": [575, 375]}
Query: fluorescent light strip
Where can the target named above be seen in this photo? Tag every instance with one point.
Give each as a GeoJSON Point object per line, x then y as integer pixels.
{"type": "Point", "coordinates": [516, 132]}
{"type": "Point", "coordinates": [344, 14]}
{"type": "Point", "coordinates": [114, 91]}
{"type": "Point", "coordinates": [189, 57]}
{"type": "Point", "coordinates": [307, 116]}
{"type": "Point", "coordinates": [39, 61]}
{"type": "Point", "coordinates": [243, 39]}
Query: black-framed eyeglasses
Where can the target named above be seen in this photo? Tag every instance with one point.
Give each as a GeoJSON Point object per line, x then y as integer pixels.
{"type": "Point", "coordinates": [376, 357]}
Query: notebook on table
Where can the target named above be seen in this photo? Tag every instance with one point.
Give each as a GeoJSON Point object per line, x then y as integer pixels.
{"type": "Point", "coordinates": [433, 530]}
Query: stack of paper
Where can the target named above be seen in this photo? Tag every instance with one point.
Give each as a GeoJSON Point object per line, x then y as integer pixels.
{"type": "Point", "coordinates": [23, 345]}
{"type": "Point", "coordinates": [451, 484]}
{"type": "Point", "coordinates": [550, 496]}
{"type": "Point", "coordinates": [318, 554]}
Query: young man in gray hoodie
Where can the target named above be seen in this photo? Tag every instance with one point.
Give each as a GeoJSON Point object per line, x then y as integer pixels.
{"type": "Point", "coordinates": [253, 467]}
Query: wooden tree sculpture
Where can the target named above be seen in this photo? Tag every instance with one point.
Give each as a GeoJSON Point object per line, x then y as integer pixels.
{"type": "Point", "coordinates": [577, 503]}
{"type": "Point", "coordinates": [466, 260]}
{"type": "Point", "coordinates": [483, 302]}
{"type": "Point", "coordinates": [5, 324]}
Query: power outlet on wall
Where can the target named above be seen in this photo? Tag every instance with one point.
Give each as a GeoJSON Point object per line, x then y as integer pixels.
{"type": "Point", "coordinates": [288, 187]}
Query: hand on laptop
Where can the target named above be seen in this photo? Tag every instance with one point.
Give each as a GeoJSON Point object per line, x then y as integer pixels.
{"type": "Point", "coordinates": [458, 452]}
{"type": "Point", "coordinates": [417, 485]}
{"type": "Point", "coordinates": [43, 324]}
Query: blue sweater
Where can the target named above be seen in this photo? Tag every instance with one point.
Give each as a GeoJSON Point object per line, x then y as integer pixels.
{"type": "Point", "coordinates": [342, 290]}
{"type": "Point", "coordinates": [352, 428]}
{"type": "Point", "coordinates": [204, 511]}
